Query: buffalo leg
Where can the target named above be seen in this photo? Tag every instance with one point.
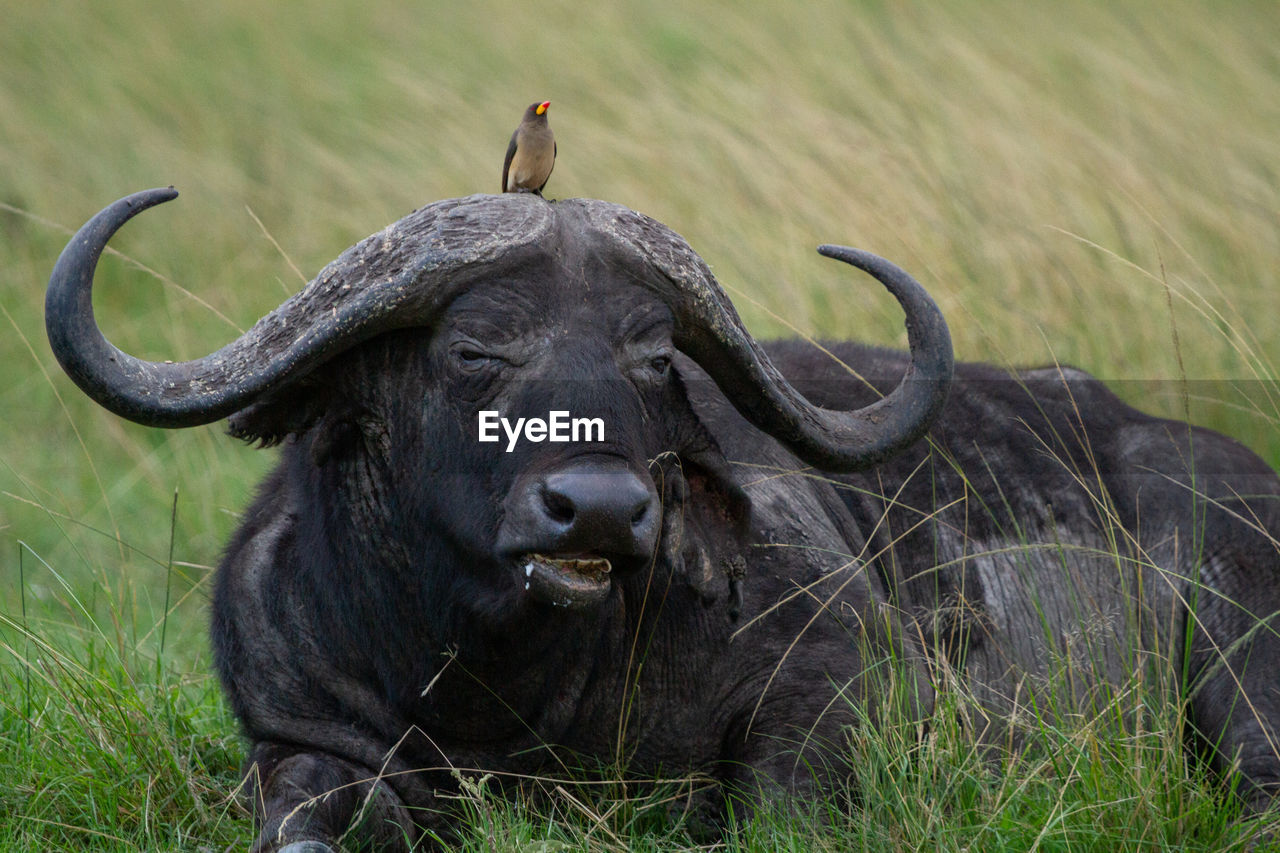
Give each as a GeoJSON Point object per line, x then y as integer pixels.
{"type": "Point", "coordinates": [304, 801]}
{"type": "Point", "coordinates": [1235, 700]}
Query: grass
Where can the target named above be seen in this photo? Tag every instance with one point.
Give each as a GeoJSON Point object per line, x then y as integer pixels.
{"type": "Point", "coordinates": [1088, 183]}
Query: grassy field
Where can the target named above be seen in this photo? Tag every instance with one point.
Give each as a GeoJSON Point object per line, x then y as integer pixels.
{"type": "Point", "coordinates": [1090, 183]}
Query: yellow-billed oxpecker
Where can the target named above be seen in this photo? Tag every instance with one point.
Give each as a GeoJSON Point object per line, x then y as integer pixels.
{"type": "Point", "coordinates": [532, 153]}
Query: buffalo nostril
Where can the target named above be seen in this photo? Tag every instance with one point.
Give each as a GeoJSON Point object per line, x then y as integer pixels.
{"type": "Point", "coordinates": [559, 506]}
{"type": "Point", "coordinates": [642, 510]}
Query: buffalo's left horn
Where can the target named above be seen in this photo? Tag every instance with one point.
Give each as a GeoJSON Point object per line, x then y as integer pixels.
{"type": "Point", "coordinates": [399, 277]}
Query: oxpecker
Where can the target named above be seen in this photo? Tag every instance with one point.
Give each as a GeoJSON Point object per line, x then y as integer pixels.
{"type": "Point", "coordinates": [531, 155]}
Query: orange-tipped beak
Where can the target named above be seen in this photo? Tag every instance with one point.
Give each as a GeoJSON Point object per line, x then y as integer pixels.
{"type": "Point", "coordinates": [542, 107]}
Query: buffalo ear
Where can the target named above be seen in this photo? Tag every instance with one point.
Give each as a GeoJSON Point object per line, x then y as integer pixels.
{"type": "Point", "coordinates": [706, 519]}
{"type": "Point", "coordinates": [707, 471]}
{"type": "Point", "coordinates": [332, 423]}
{"type": "Point", "coordinates": [708, 480]}
{"type": "Point", "coordinates": [700, 494]}
{"type": "Point", "coordinates": [275, 416]}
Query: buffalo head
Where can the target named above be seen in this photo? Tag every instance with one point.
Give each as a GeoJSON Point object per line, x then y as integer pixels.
{"type": "Point", "coordinates": [500, 297]}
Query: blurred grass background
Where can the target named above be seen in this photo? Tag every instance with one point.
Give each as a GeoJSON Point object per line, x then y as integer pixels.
{"type": "Point", "coordinates": [1089, 183]}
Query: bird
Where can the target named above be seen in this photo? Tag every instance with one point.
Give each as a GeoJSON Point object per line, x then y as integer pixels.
{"type": "Point", "coordinates": [531, 155]}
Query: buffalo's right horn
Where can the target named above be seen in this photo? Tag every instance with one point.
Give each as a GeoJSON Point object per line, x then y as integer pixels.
{"type": "Point", "coordinates": [709, 330]}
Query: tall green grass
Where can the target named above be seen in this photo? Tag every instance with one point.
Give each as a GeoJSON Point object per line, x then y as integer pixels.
{"type": "Point", "coordinates": [1089, 183]}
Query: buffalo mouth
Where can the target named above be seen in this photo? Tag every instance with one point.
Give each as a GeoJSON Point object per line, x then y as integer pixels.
{"type": "Point", "coordinates": [570, 581]}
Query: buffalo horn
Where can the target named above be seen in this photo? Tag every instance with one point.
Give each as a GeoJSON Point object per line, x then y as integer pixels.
{"type": "Point", "coordinates": [404, 275]}
{"type": "Point", "coordinates": [399, 277]}
{"type": "Point", "coordinates": [709, 330]}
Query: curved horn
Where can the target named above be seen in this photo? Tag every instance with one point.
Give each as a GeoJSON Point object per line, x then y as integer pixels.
{"type": "Point", "coordinates": [399, 277]}
{"type": "Point", "coordinates": [404, 275]}
{"type": "Point", "coordinates": [709, 330]}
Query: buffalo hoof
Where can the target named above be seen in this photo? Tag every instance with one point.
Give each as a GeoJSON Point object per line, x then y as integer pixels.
{"type": "Point", "coordinates": [307, 847]}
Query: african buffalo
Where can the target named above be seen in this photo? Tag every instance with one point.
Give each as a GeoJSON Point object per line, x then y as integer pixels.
{"type": "Point", "coordinates": [719, 582]}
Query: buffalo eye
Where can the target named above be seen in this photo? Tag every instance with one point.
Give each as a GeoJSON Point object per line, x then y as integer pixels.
{"type": "Point", "coordinates": [660, 364]}
{"type": "Point", "coordinates": [468, 356]}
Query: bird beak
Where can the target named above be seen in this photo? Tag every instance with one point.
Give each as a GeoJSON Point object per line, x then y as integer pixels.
{"type": "Point", "coordinates": [542, 107]}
